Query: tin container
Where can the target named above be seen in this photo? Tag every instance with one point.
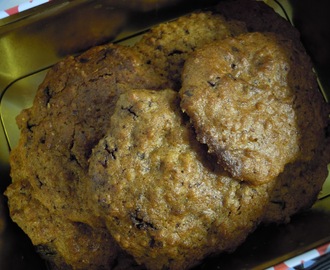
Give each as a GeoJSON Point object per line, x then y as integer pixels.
{"type": "Point", "coordinates": [33, 39]}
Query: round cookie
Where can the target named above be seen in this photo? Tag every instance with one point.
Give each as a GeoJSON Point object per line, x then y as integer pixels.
{"type": "Point", "coordinates": [167, 45]}
{"type": "Point", "coordinates": [254, 101]}
{"type": "Point", "coordinates": [69, 115]}
{"type": "Point", "coordinates": [163, 197]}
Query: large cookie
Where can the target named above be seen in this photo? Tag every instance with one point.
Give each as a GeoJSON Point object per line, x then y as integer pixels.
{"type": "Point", "coordinates": [69, 115]}
{"type": "Point", "coordinates": [164, 198]}
{"type": "Point", "coordinates": [254, 101]}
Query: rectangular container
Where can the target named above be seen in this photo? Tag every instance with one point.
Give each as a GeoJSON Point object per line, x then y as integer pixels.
{"type": "Point", "coordinates": [33, 40]}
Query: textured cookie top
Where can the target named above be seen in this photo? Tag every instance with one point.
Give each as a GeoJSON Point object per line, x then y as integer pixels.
{"type": "Point", "coordinates": [166, 46]}
{"type": "Point", "coordinates": [69, 116]}
{"type": "Point", "coordinates": [70, 113]}
{"type": "Point", "coordinates": [245, 97]}
{"type": "Point", "coordinates": [164, 198]}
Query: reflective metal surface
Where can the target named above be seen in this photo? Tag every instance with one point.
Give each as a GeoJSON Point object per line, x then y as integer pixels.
{"type": "Point", "coordinates": [31, 42]}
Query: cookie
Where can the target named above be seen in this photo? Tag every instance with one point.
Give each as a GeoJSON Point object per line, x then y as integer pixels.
{"type": "Point", "coordinates": [254, 101]}
{"type": "Point", "coordinates": [163, 197]}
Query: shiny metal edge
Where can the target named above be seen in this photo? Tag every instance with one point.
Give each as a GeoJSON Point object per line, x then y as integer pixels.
{"type": "Point", "coordinates": [314, 221]}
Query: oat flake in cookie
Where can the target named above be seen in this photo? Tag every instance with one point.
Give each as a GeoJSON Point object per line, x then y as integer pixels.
{"type": "Point", "coordinates": [254, 101]}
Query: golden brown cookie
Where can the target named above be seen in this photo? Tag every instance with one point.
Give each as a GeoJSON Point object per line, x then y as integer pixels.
{"type": "Point", "coordinates": [254, 101]}
{"type": "Point", "coordinates": [69, 115]}
{"type": "Point", "coordinates": [164, 198]}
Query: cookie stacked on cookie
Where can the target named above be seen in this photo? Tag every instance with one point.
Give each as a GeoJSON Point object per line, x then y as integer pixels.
{"type": "Point", "coordinates": [176, 148]}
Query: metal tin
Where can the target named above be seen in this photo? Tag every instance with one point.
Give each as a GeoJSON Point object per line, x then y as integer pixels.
{"type": "Point", "coordinates": [33, 40]}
